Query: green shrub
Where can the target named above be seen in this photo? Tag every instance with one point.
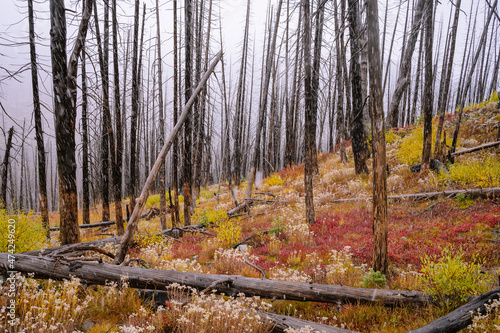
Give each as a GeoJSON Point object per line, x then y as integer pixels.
{"type": "Point", "coordinates": [476, 172]}
{"type": "Point", "coordinates": [28, 230]}
{"type": "Point", "coordinates": [453, 280]}
{"type": "Point", "coordinates": [374, 280]}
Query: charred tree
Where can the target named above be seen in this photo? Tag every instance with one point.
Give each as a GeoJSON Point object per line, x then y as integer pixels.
{"type": "Point", "coordinates": [359, 146]}
{"type": "Point", "coordinates": [42, 178]}
{"type": "Point", "coordinates": [428, 87]}
{"type": "Point", "coordinates": [186, 149]}
{"type": "Point", "coordinates": [5, 165]}
{"type": "Point", "coordinates": [64, 85]}
{"type": "Point", "coordinates": [380, 228]}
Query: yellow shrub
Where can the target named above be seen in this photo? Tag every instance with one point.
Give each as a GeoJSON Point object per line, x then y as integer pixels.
{"type": "Point", "coordinates": [493, 99]}
{"type": "Point", "coordinates": [274, 180]}
{"type": "Point", "coordinates": [210, 216]}
{"type": "Point", "coordinates": [27, 229]}
{"type": "Point", "coordinates": [410, 148]}
{"type": "Point", "coordinates": [148, 237]}
{"type": "Point", "coordinates": [477, 172]}
{"type": "Point", "coordinates": [229, 234]}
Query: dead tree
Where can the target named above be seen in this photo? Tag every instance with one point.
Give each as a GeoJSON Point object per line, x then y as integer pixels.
{"type": "Point", "coordinates": [380, 228]}
{"type": "Point", "coordinates": [263, 102]}
{"type": "Point", "coordinates": [135, 111]}
{"type": "Point", "coordinates": [467, 84]}
{"type": "Point", "coordinates": [117, 167]}
{"type": "Point", "coordinates": [64, 85]}
{"type": "Point", "coordinates": [402, 81]}
{"type": "Point", "coordinates": [132, 224]}
{"type": "Point", "coordinates": [5, 164]}
{"type": "Point", "coordinates": [443, 97]}
{"type": "Point", "coordinates": [163, 203]}
{"type": "Point", "coordinates": [175, 148]}
{"type": "Point", "coordinates": [359, 146]}
{"type": "Point", "coordinates": [340, 90]}
{"type": "Point", "coordinates": [428, 86]}
{"type": "Point", "coordinates": [42, 178]}
{"type": "Point", "coordinates": [309, 114]}
{"type": "Point", "coordinates": [186, 149]}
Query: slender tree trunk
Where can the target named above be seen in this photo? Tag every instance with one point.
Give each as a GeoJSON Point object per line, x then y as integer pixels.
{"type": "Point", "coordinates": [402, 81]}
{"type": "Point", "coordinates": [359, 146]}
{"type": "Point", "coordinates": [428, 91]}
{"type": "Point", "coordinates": [42, 178]}
{"type": "Point", "coordinates": [263, 103]}
{"type": "Point", "coordinates": [5, 165]}
{"type": "Point", "coordinates": [187, 167]}
{"type": "Point", "coordinates": [163, 203]}
{"type": "Point", "coordinates": [309, 114]}
{"type": "Point", "coordinates": [175, 147]}
{"type": "Point", "coordinates": [380, 258]}
{"type": "Point", "coordinates": [443, 98]}
{"type": "Point", "coordinates": [64, 85]}
{"type": "Point", "coordinates": [467, 85]}
{"type": "Point", "coordinates": [135, 110]}
{"type": "Point", "coordinates": [117, 168]}
{"type": "Point", "coordinates": [340, 93]}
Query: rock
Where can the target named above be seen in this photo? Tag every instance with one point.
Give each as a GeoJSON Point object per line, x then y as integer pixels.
{"type": "Point", "coordinates": [87, 325]}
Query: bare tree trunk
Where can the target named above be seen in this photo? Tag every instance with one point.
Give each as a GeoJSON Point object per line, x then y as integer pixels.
{"type": "Point", "coordinates": [187, 167]}
{"type": "Point", "coordinates": [117, 168]}
{"type": "Point", "coordinates": [380, 258]}
{"type": "Point", "coordinates": [175, 147]}
{"type": "Point", "coordinates": [263, 102]}
{"type": "Point", "coordinates": [163, 203]}
{"type": "Point", "coordinates": [428, 91]}
{"type": "Point", "coordinates": [309, 114]}
{"type": "Point", "coordinates": [64, 85]}
{"type": "Point", "coordinates": [42, 178]}
{"type": "Point", "coordinates": [135, 111]}
{"type": "Point", "coordinates": [359, 146]}
{"type": "Point", "coordinates": [402, 81]}
{"type": "Point", "coordinates": [443, 98]}
{"type": "Point", "coordinates": [5, 164]}
{"type": "Point", "coordinates": [467, 85]}
{"type": "Point", "coordinates": [340, 92]}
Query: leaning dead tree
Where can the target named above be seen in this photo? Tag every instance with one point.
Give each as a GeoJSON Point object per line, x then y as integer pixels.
{"type": "Point", "coordinates": [141, 201]}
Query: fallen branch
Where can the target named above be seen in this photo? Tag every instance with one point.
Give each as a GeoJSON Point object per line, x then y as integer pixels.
{"type": "Point", "coordinates": [91, 225]}
{"type": "Point", "coordinates": [473, 192]}
{"type": "Point", "coordinates": [74, 247]}
{"type": "Point", "coordinates": [473, 149]}
{"type": "Point", "coordinates": [92, 273]}
{"type": "Point", "coordinates": [261, 271]}
{"type": "Point", "coordinates": [265, 232]}
{"type": "Point", "coordinates": [461, 317]}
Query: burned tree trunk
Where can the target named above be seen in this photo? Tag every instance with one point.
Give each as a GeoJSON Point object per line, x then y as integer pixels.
{"type": "Point", "coordinates": [186, 149]}
{"type": "Point", "coordinates": [64, 85]}
{"type": "Point", "coordinates": [5, 164]}
{"type": "Point", "coordinates": [359, 146]}
{"type": "Point", "coordinates": [429, 80]}
{"type": "Point", "coordinates": [42, 178]}
{"type": "Point", "coordinates": [380, 228]}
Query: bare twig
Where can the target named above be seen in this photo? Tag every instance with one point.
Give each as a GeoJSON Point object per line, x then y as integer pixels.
{"type": "Point", "coordinates": [263, 272]}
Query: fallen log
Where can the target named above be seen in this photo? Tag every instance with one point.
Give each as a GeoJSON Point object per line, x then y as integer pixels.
{"type": "Point", "coordinates": [473, 149]}
{"type": "Point", "coordinates": [461, 317]}
{"type": "Point", "coordinates": [282, 323]}
{"type": "Point", "coordinates": [74, 247]}
{"type": "Point", "coordinates": [95, 273]}
{"type": "Point", "coordinates": [91, 225]}
{"type": "Point", "coordinates": [474, 192]}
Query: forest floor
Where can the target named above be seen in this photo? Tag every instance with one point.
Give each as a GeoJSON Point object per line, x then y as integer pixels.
{"type": "Point", "coordinates": [445, 245]}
